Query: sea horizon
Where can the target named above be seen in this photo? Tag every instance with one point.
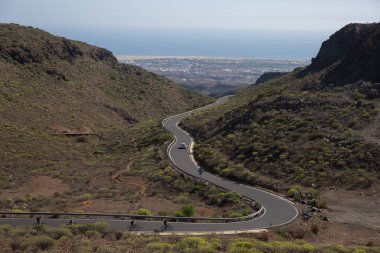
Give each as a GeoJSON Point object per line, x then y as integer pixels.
{"type": "Point", "coordinates": [217, 43]}
{"type": "Point", "coordinates": [144, 57]}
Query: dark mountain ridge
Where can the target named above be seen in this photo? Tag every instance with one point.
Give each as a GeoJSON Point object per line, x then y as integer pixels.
{"type": "Point", "coordinates": [351, 54]}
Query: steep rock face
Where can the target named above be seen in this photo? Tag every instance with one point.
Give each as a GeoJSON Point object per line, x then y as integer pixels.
{"type": "Point", "coordinates": [349, 55]}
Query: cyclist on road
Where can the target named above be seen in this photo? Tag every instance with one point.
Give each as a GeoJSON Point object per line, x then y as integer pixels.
{"type": "Point", "coordinates": [71, 222]}
{"type": "Point", "coordinates": [39, 220]}
{"type": "Point", "coordinates": [166, 224]}
{"type": "Point", "coordinates": [133, 226]}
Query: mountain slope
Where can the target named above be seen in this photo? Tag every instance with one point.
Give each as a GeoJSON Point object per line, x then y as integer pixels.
{"type": "Point", "coordinates": [349, 55]}
{"type": "Point", "coordinates": [296, 129]}
{"type": "Point", "coordinates": [64, 71]}
{"type": "Point", "coordinates": [51, 87]}
{"type": "Point", "coordinates": [269, 76]}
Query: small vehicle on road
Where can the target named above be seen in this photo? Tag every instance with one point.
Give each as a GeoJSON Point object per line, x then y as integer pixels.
{"type": "Point", "coordinates": [182, 146]}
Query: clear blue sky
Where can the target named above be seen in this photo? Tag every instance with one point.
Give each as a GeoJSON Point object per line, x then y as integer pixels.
{"type": "Point", "coordinates": [224, 14]}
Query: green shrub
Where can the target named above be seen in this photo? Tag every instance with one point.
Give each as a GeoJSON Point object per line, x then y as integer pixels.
{"type": "Point", "coordinates": [183, 199]}
{"type": "Point", "coordinates": [285, 246]}
{"type": "Point", "coordinates": [292, 193]}
{"type": "Point", "coordinates": [85, 197]}
{"type": "Point", "coordinates": [19, 231]}
{"type": "Point", "coordinates": [359, 250]}
{"type": "Point", "coordinates": [6, 229]}
{"type": "Point", "coordinates": [57, 233]}
{"type": "Point", "coordinates": [216, 243]}
{"type": "Point", "coordinates": [99, 227]}
{"type": "Point", "coordinates": [227, 172]}
{"type": "Point", "coordinates": [188, 210]}
{"type": "Point", "coordinates": [194, 244]}
{"type": "Point", "coordinates": [216, 198]}
{"type": "Point", "coordinates": [242, 247]}
{"type": "Point", "coordinates": [143, 211]}
{"type": "Point", "coordinates": [43, 242]}
{"type": "Point", "coordinates": [232, 197]}
{"type": "Point", "coordinates": [157, 247]}
{"type": "Point", "coordinates": [234, 214]}
{"type": "Point", "coordinates": [92, 234]}
{"type": "Point", "coordinates": [104, 249]}
{"type": "Point", "coordinates": [178, 213]}
{"type": "Point", "coordinates": [18, 245]}
{"type": "Point", "coordinates": [82, 246]}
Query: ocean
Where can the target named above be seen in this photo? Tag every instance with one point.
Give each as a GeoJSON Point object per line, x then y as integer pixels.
{"type": "Point", "coordinates": [261, 44]}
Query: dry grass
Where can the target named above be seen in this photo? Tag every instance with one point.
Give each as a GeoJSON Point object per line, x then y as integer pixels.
{"type": "Point", "coordinates": [98, 238]}
{"type": "Point", "coordinates": [52, 85]}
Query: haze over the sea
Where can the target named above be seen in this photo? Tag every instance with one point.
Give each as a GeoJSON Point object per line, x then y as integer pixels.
{"type": "Point", "coordinates": [274, 29]}
{"type": "Point", "coordinates": [259, 44]}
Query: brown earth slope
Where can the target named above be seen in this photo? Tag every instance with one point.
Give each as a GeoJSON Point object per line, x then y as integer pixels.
{"type": "Point", "coordinates": [71, 117]}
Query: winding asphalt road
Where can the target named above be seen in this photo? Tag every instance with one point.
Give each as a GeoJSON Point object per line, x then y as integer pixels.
{"type": "Point", "coordinates": [277, 210]}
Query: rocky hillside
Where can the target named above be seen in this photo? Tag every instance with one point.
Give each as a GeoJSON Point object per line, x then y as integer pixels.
{"type": "Point", "coordinates": [268, 76]}
{"type": "Point", "coordinates": [295, 129]}
{"type": "Point", "coordinates": [56, 72]}
{"type": "Point", "coordinates": [349, 55]}
{"type": "Point", "coordinates": [65, 104]}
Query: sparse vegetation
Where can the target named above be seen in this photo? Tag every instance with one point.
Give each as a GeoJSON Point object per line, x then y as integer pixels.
{"type": "Point", "coordinates": [95, 238]}
{"type": "Point", "coordinates": [89, 126]}
{"type": "Point", "coordinates": [186, 211]}
{"type": "Point", "coordinates": [43, 242]}
{"type": "Point", "coordinates": [50, 92]}
{"type": "Point", "coordinates": [143, 211]}
{"type": "Point", "coordinates": [288, 132]}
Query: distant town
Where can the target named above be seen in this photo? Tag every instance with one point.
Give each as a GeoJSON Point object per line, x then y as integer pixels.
{"type": "Point", "coordinates": [212, 75]}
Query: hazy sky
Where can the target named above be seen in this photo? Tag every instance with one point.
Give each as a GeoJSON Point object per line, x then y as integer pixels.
{"type": "Point", "coordinates": [224, 14]}
{"type": "Point", "coordinates": [289, 29]}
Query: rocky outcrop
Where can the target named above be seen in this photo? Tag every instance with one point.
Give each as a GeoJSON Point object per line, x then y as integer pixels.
{"type": "Point", "coordinates": [122, 113]}
{"type": "Point", "coordinates": [24, 45]}
{"type": "Point", "coordinates": [102, 54]}
{"type": "Point", "coordinates": [349, 55]}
